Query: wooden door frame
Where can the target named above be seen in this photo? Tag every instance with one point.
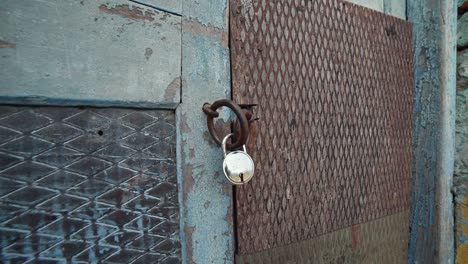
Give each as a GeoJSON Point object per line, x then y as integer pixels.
{"type": "Point", "coordinates": [205, 196]}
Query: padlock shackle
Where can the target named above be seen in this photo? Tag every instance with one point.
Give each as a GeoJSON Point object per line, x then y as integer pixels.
{"type": "Point", "coordinates": [224, 142]}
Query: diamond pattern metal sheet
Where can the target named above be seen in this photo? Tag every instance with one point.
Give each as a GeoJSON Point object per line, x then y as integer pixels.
{"type": "Point", "coordinates": [88, 185]}
{"type": "Point", "coordinates": [333, 84]}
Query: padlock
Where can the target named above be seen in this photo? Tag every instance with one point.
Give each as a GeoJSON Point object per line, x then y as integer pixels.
{"type": "Point", "coordinates": [238, 166]}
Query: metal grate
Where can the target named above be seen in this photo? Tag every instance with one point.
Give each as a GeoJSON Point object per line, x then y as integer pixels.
{"type": "Point", "coordinates": [87, 185]}
{"type": "Point", "coordinates": [333, 84]}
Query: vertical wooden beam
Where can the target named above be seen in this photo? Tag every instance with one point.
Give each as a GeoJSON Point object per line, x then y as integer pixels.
{"type": "Point", "coordinates": [431, 227]}
{"type": "Point", "coordinates": [447, 60]}
{"type": "Point", "coordinates": [205, 195]}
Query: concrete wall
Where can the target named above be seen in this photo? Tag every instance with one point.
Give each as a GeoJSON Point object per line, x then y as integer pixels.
{"type": "Point", "coordinates": [395, 8]}
{"type": "Point", "coordinates": [461, 161]}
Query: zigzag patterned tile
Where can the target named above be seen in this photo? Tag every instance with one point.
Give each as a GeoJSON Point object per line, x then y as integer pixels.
{"type": "Point", "coordinates": [80, 185]}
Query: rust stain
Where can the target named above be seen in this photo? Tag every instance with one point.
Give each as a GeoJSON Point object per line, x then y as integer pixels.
{"type": "Point", "coordinates": [187, 181]}
{"type": "Point", "coordinates": [252, 136]}
{"type": "Point", "coordinates": [355, 235]}
{"type": "Point", "coordinates": [463, 8]}
{"type": "Point", "coordinates": [191, 153]}
{"type": "Point", "coordinates": [188, 234]}
{"type": "Point", "coordinates": [207, 137]}
{"type": "Point", "coordinates": [172, 90]}
{"type": "Point", "coordinates": [135, 13]}
{"type": "Point", "coordinates": [210, 31]}
{"type": "Point", "coordinates": [184, 127]}
{"type": "Point", "coordinates": [6, 45]}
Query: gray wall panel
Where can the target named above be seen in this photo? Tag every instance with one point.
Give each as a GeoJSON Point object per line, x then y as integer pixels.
{"type": "Point", "coordinates": [89, 50]}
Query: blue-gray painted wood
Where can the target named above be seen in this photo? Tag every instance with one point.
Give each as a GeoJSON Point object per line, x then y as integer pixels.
{"type": "Point", "coordinates": [170, 6]}
{"type": "Point", "coordinates": [89, 50]}
{"type": "Point", "coordinates": [431, 226]}
{"type": "Point", "coordinates": [446, 159]}
{"type": "Point", "coordinates": [205, 195]}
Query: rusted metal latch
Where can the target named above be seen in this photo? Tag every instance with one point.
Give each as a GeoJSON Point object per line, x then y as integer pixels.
{"type": "Point", "coordinates": [242, 127]}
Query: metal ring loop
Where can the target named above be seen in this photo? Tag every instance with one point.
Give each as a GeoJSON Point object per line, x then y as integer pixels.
{"type": "Point", "coordinates": [244, 123]}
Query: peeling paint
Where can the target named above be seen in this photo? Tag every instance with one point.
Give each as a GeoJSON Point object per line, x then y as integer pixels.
{"type": "Point", "coordinates": [124, 10]}
{"type": "Point", "coordinates": [188, 234]}
{"type": "Point", "coordinates": [184, 127]}
{"type": "Point", "coordinates": [188, 181]}
{"type": "Point", "coordinates": [196, 27]}
{"type": "Point", "coordinates": [6, 45]}
{"type": "Point", "coordinates": [172, 90]}
{"type": "Point", "coordinates": [355, 236]}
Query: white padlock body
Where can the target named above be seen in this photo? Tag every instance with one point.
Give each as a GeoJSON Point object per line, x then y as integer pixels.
{"type": "Point", "coordinates": [238, 167]}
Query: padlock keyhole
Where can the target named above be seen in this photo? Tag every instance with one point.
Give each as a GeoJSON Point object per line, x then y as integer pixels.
{"type": "Point", "coordinates": [241, 175]}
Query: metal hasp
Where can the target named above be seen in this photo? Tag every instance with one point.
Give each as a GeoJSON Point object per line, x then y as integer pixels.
{"type": "Point", "coordinates": [241, 127]}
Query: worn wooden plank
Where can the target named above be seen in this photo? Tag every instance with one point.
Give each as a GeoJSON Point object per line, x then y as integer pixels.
{"type": "Point", "coordinates": [89, 50]}
{"type": "Point", "coordinates": [205, 195]}
{"type": "Point", "coordinates": [431, 226]}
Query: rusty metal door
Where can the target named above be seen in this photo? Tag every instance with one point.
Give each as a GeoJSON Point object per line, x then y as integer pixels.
{"type": "Point", "coordinates": [333, 86]}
